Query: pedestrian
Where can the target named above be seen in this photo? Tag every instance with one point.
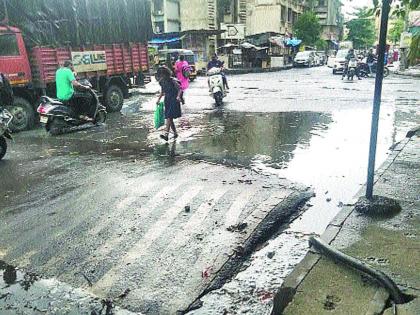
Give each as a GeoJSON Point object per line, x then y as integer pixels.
{"type": "Point", "coordinates": [182, 70]}
{"type": "Point", "coordinates": [171, 90]}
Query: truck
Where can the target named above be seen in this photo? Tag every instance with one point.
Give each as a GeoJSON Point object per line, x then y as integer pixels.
{"type": "Point", "coordinates": [112, 69]}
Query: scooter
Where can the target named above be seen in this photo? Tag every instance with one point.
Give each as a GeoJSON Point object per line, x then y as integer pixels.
{"type": "Point", "coordinates": [365, 71]}
{"type": "Point", "coordinates": [351, 69]}
{"type": "Point", "coordinates": [216, 85]}
{"type": "Point", "coordinates": [57, 116]}
{"type": "Point", "coordinates": [5, 119]}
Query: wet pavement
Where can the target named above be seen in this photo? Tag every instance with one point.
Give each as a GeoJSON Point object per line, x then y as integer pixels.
{"type": "Point", "coordinates": [74, 200]}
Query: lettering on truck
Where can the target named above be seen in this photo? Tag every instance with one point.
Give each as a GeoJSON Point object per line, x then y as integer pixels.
{"type": "Point", "coordinates": [87, 61]}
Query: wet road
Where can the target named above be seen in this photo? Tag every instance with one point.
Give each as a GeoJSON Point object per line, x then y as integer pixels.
{"type": "Point", "coordinates": [72, 203]}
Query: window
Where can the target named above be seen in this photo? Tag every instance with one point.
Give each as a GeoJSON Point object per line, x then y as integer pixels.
{"type": "Point", "coordinates": [289, 15]}
{"type": "Point", "coordinates": [9, 45]}
{"type": "Point", "coordinates": [283, 14]}
{"type": "Point", "coordinates": [321, 3]}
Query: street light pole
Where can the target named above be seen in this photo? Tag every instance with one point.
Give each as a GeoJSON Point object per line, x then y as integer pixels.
{"type": "Point", "coordinates": [377, 97]}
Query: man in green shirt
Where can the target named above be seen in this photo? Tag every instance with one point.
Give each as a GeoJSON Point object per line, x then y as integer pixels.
{"type": "Point", "coordinates": [66, 83]}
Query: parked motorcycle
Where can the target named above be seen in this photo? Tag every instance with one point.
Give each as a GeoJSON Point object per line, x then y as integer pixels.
{"type": "Point", "coordinates": [216, 85]}
{"type": "Point", "coordinates": [58, 116]}
{"type": "Point", "coordinates": [5, 119]}
{"type": "Point", "coordinates": [365, 71]}
{"type": "Point", "coordinates": [351, 69]}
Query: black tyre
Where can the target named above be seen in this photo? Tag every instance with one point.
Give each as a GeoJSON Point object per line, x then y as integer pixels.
{"type": "Point", "coordinates": [114, 99]}
{"type": "Point", "coordinates": [100, 118]}
{"type": "Point", "coordinates": [334, 71]}
{"type": "Point", "coordinates": [218, 97]}
{"type": "Point", "coordinates": [23, 115]}
{"type": "Point", "coordinates": [56, 126]}
{"type": "Point", "coordinates": [386, 72]}
{"type": "Point", "coordinates": [3, 147]}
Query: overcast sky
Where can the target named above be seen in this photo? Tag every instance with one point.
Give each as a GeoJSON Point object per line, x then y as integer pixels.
{"type": "Point", "coordinates": [349, 5]}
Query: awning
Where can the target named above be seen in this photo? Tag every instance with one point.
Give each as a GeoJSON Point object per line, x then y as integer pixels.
{"type": "Point", "coordinates": [293, 42]}
{"type": "Point", "coordinates": [161, 41]}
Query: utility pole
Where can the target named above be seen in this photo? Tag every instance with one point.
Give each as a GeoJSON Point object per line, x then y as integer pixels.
{"type": "Point", "coordinates": [377, 98]}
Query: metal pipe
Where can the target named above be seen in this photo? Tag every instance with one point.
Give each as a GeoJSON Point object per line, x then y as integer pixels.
{"type": "Point", "coordinates": [377, 98]}
{"type": "Point", "coordinates": [380, 277]}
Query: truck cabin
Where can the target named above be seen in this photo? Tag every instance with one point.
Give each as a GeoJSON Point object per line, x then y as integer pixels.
{"type": "Point", "coordinates": [14, 62]}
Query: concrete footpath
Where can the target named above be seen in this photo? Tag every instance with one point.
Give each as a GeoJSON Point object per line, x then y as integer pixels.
{"type": "Point", "coordinates": [318, 285]}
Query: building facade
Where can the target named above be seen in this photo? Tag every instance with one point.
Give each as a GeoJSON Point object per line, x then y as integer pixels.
{"type": "Point", "coordinates": [276, 16]}
{"type": "Point", "coordinates": [331, 19]}
{"type": "Point", "coordinates": [166, 16]}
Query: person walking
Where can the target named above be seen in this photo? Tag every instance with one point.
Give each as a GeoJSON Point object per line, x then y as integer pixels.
{"type": "Point", "coordinates": [181, 69]}
{"type": "Point", "coordinates": [370, 60]}
{"type": "Point", "coordinates": [171, 90]}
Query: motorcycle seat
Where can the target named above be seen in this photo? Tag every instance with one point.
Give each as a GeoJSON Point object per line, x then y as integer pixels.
{"type": "Point", "coordinates": [52, 101]}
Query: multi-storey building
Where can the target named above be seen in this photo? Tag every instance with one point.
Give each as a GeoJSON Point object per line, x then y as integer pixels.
{"type": "Point", "coordinates": [330, 17]}
{"type": "Point", "coordinates": [275, 16]}
{"type": "Point", "coordinates": [199, 24]}
{"type": "Point", "coordinates": [165, 16]}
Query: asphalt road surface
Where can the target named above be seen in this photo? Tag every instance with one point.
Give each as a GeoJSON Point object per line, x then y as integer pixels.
{"type": "Point", "coordinates": [114, 210]}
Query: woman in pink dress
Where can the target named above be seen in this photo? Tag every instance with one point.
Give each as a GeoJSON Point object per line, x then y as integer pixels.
{"type": "Point", "coordinates": [182, 66]}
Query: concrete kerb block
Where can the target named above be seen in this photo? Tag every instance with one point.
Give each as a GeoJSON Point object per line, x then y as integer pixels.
{"type": "Point", "coordinates": [341, 217]}
{"type": "Point", "coordinates": [290, 285]}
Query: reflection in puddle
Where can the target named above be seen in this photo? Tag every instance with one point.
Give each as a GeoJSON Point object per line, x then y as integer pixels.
{"type": "Point", "coordinates": [26, 293]}
{"type": "Point", "coordinates": [240, 139]}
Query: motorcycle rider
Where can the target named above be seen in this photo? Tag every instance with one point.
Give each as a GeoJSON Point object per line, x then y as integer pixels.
{"type": "Point", "coordinates": [370, 60]}
{"type": "Point", "coordinates": [72, 92]}
{"type": "Point", "coordinates": [216, 63]}
{"type": "Point", "coordinates": [350, 55]}
{"type": "Point", "coordinates": [6, 92]}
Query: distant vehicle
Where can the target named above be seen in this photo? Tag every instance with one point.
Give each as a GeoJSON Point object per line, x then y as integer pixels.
{"type": "Point", "coordinates": [304, 58]}
{"type": "Point", "coordinates": [340, 61]}
{"type": "Point", "coordinates": [351, 69]}
{"type": "Point", "coordinates": [365, 71]}
{"type": "Point", "coordinates": [322, 57]}
{"type": "Point", "coordinates": [216, 85]}
{"type": "Point", "coordinates": [348, 44]}
{"type": "Point", "coordinates": [169, 56]}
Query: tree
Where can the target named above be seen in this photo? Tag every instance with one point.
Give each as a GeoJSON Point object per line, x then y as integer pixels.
{"type": "Point", "coordinates": [307, 28]}
{"type": "Point", "coordinates": [394, 33]}
{"type": "Point", "coordinates": [361, 29]}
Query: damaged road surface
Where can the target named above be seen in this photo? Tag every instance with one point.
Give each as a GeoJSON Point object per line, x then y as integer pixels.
{"type": "Point", "coordinates": [150, 236]}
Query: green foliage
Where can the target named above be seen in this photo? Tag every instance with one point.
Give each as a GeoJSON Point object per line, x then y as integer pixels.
{"type": "Point", "coordinates": [361, 29]}
{"type": "Point", "coordinates": [77, 22]}
{"type": "Point", "coordinates": [307, 28]}
{"type": "Point", "coordinates": [394, 33]}
{"type": "Point", "coordinates": [321, 44]}
{"type": "Point", "coordinates": [414, 51]}
{"type": "Point", "coordinates": [403, 7]}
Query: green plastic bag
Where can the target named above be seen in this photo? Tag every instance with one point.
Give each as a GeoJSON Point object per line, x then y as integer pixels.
{"type": "Point", "coordinates": [159, 115]}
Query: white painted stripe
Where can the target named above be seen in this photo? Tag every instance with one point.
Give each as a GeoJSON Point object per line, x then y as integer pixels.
{"type": "Point", "coordinates": [152, 234]}
{"type": "Point", "coordinates": [193, 225]}
{"type": "Point", "coordinates": [151, 205]}
{"type": "Point", "coordinates": [237, 207]}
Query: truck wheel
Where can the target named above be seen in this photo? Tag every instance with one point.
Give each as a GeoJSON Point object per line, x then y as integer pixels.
{"type": "Point", "coordinates": [3, 147]}
{"type": "Point", "coordinates": [114, 99]}
{"type": "Point", "coordinates": [23, 115]}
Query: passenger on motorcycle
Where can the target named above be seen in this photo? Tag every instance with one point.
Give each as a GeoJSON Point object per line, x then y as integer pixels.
{"type": "Point", "coordinates": [66, 84]}
{"type": "Point", "coordinates": [216, 63]}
